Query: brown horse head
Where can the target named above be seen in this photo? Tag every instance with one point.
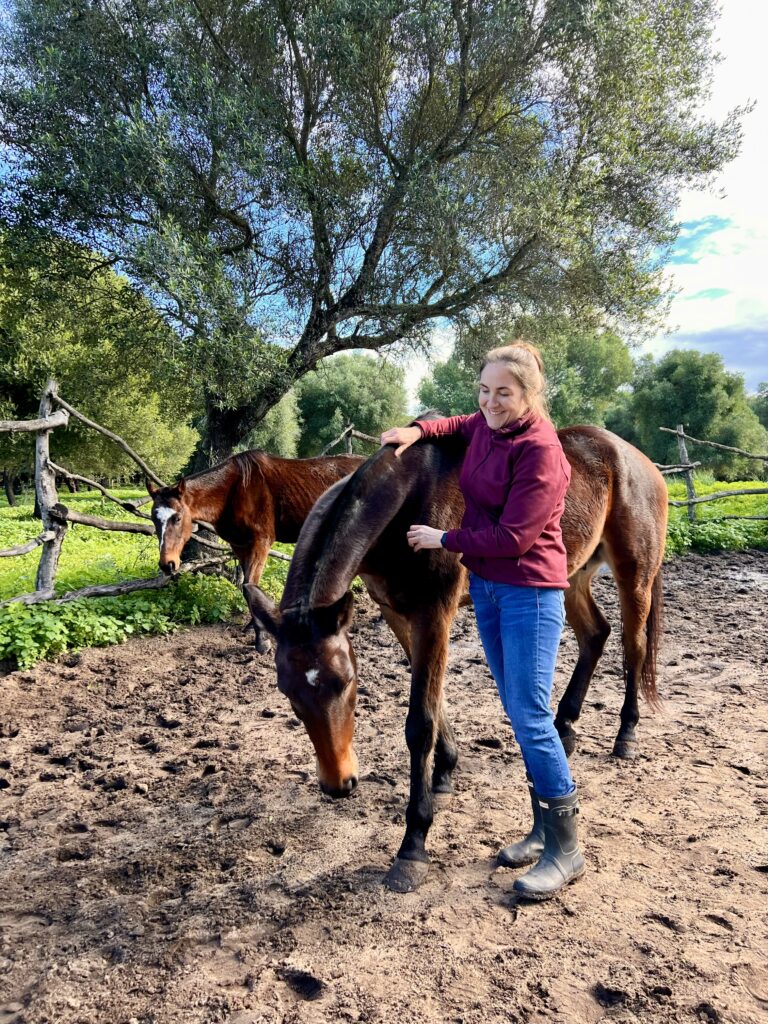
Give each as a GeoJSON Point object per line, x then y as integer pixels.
{"type": "Point", "coordinates": [173, 523]}
{"type": "Point", "coordinates": [317, 672]}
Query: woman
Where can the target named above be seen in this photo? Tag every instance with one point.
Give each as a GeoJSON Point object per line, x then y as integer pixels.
{"type": "Point", "coordinates": [514, 480]}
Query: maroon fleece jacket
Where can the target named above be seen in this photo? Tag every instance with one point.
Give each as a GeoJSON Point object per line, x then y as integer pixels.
{"type": "Point", "coordinates": [514, 481]}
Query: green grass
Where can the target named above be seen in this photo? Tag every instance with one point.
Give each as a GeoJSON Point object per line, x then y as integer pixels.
{"type": "Point", "coordinates": [89, 556]}
{"type": "Point", "coordinates": [30, 633]}
{"type": "Point", "coordinates": [710, 532]}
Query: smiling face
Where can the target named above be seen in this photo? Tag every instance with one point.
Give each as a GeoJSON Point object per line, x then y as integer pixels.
{"type": "Point", "coordinates": [502, 399]}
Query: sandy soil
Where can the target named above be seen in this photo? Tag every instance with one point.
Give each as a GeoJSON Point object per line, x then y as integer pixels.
{"type": "Point", "coordinates": [166, 855]}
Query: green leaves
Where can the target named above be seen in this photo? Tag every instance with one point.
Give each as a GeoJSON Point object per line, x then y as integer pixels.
{"type": "Point", "coordinates": [285, 181]}
{"type": "Point", "coordinates": [31, 633]}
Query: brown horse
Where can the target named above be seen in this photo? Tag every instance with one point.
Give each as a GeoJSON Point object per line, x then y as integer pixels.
{"type": "Point", "coordinates": [615, 513]}
{"type": "Point", "coordinates": [251, 500]}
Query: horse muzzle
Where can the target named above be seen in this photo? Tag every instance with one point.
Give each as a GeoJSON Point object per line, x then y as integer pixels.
{"type": "Point", "coordinates": [346, 788]}
{"type": "Point", "coordinates": [341, 780]}
{"type": "Point", "coordinates": [169, 568]}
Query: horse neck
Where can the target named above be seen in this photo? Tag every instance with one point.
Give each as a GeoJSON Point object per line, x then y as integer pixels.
{"type": "Point", "coordinates": [342, 528]}
{"type": "Point", "coordinates": [206, 494]}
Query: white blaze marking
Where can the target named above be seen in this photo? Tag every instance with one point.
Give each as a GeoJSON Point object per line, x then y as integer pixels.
{"type": "Point", "coordinates": [312, 676]}
{"type": "Point", "coordinates": [163, 514]}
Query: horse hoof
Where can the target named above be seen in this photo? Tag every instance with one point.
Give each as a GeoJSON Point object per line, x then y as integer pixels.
{"type": "Point", "coordinates": [569, 743]}
{"type": "Point", "coordinates": [406, 875]}
{"type": "Point", "coordinates": [441, 798]}
{"type": "Point", "coordinates": [625, 750]}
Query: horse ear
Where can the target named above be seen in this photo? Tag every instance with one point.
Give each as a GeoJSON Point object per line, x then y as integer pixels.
{"type": "Point", "coordinates": [151, 489]}
{"type": "Point", "coordinates": [181, 486]}
{"type": "Point", "coordinates": [337, 616]}
{"type": "Point", "coordinates": [263, 609]}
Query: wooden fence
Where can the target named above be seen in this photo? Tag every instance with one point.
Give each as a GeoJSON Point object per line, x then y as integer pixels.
{"type": "Point", "coordinates": [56, 412]}
{"type": "Point", "coordinates": [687, 467]}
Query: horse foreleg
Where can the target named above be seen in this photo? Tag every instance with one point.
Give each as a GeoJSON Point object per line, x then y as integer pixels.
{"type": "Point", "coordinates": [429, 647]}
{"type": "Point", "coordinates": [446, 750]}
{"type": "Point", "coordinates": [592, 630]}
{"type": "Point", "coordinates": [446, 759]}
{"type": "Point", "coordinates": [253, 560]}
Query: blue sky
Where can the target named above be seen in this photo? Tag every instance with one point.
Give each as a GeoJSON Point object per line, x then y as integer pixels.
{"type": "Point", "coordinates": [719, 268]}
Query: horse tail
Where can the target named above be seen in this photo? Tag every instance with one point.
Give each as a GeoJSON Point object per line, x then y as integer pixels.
{"type": "Point", "coordinates": [653, 623]}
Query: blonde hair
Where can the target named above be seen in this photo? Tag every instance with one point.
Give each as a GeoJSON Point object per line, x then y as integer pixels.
{"type": "Point", "coordinates": [525, 364]}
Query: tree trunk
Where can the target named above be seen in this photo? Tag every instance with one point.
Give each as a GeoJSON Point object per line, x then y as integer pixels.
{"type": "Point", "coordinates": [224, 429]}
{"type": "Point", "coordinates": [8, 482]}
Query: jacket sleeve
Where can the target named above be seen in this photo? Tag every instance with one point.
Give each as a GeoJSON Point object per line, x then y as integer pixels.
{"type": "Point", "coordinates": [463, 425]}
{"type": "Point", "coordinates": [540, 481]}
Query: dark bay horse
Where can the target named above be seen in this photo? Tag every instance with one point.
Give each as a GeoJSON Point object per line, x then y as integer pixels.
{"type": "Point", "coordinates": [251, 500]}
{"type": "Point", "coordinates": [615, 513]}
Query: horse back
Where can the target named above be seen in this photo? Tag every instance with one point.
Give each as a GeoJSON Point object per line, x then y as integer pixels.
{"type": "Point", "coordinates": [274, 490]}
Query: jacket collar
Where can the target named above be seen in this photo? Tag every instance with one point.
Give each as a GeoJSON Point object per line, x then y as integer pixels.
{"type": "Point", "coordinates": [518, 426]}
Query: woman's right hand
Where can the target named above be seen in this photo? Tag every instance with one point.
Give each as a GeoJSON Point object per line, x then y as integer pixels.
{"type": "Point", "coordinates": [403, 437]}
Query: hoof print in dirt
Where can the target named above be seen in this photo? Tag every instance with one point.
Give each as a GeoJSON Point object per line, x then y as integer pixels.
{"type": "Point", "coordinates": [406, 875]}
{"type": "Point", "coordinates": [607, 996]}
{"type": "Point", "coordinates": [168, 721]}
{"type": "Point", "coordinates": [304, 984]}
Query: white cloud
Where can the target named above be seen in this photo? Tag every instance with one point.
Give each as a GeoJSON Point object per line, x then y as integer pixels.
{"type": "Point", "coordinates": [722, 291]}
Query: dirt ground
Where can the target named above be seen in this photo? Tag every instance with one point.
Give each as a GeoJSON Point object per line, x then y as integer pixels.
{"type": "Point", "coordinates": [166, 854]}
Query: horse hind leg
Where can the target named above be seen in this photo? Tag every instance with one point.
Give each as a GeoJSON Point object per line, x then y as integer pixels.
{"type": "Point", "coordinates": [592, 630]}
{"type": "Point", "coordinates": [640, 610]}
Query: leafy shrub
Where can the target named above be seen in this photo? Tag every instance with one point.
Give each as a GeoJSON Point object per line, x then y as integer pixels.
{"type": "Point", "coordinates": [29, 633]}
{"type": "Point", "coordinates": [710, 531]}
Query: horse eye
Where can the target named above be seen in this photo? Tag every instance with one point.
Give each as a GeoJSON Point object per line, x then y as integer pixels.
{"type": "Point", "coordinates": [177, 518]}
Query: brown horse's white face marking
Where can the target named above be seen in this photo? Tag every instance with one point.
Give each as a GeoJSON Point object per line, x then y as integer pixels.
{"type": "Point", "coordinates": [173, 525]}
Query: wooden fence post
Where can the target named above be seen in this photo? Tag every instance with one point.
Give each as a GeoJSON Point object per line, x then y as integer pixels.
{"type": "Point", "coordinates": [47, 497]}
{"type": "Point", "coordinates": [348, 440]}
{"type": "Point", "coordinates": [685, 461]}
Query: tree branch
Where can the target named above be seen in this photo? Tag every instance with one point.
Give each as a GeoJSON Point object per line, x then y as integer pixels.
{"type": "Point", "coordinates": [129, 506]}
{"type": "Point", "coordinates": [113, 437]}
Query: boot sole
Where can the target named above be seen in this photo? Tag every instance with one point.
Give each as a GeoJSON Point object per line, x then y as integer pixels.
{"type": "Point", "coordinates": [502, 862]}
{"type": "Point", "coordinates": [541, 897]}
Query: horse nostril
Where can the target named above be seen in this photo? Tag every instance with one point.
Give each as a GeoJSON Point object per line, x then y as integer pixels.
{"type": "Point", "coordinates": [351, 784]}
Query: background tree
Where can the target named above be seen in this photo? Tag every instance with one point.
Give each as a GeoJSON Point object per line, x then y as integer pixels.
{"type": "Point", "coordinates": [759, 403]}
{"type": "Point", "coordinates": [584, 368]}
{"type": "Point", "coordinates": [688, 387]}
{"type": "Point", "coordinates": [353, 389]}
{"type": "Point", "coordinates": [451, 387]}
{"type": "Point", "coordinates": [278, 433]}
{"type": "Point", "coordinates": [100, 341]}
{"type": "Point", "coordinates": [290, 180]}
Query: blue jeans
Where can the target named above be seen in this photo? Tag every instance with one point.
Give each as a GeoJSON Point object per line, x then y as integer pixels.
{"type": "Point", "coordinates": [520, 628]}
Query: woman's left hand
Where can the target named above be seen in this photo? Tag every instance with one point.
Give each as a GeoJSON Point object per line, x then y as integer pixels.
{"type": "Point", "coordinates": [423, 537]}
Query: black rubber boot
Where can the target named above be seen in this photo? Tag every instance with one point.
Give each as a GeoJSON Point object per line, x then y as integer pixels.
{"type": "Point", "coordinates": [562, 861]}
{"type": "Point", "coordinates": [531, 848]}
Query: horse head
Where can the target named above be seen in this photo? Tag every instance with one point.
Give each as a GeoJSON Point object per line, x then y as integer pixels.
{"type": "Point", "coordinates": [317, 672]}
{"type": "Point", "coordinates": [173, 523]}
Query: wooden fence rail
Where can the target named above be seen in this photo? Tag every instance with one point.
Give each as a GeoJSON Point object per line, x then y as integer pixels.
{"type": "Point", "coordinates": [57, 517]}
{"type": "Point", "coordinates": [686, 467]}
